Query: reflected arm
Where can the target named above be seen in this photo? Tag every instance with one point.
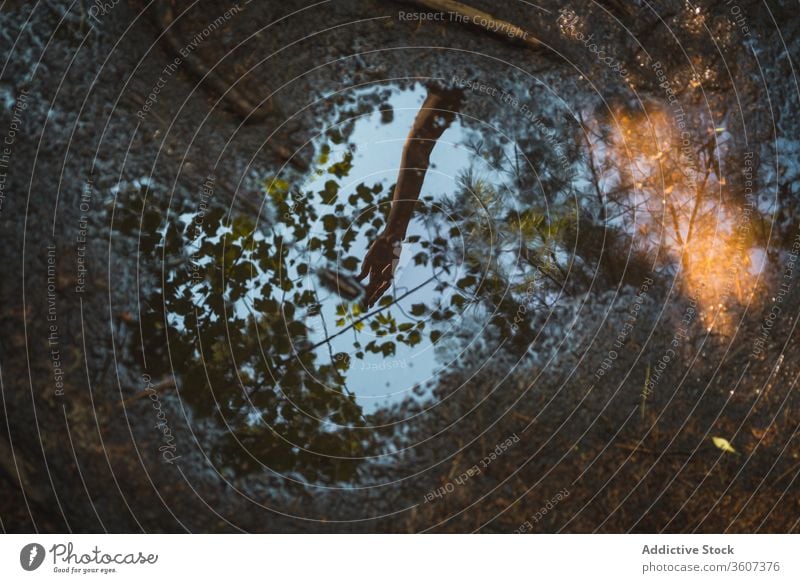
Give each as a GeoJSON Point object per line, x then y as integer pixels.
{"type": "Point", "coordinates": [434, 117]}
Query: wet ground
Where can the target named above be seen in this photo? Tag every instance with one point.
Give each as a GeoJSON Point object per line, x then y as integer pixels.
{"type": "Point", "coordinates": [599, 282]}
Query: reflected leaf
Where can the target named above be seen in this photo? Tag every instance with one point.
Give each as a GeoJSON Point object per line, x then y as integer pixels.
{"type": "Point", "coordinates": [331, 191]}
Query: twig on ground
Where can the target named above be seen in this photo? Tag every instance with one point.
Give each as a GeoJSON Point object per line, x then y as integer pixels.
{"type": "Point", "coordinates": [161, 387]}
{"type": "Point", "coordinates": [460, 12]}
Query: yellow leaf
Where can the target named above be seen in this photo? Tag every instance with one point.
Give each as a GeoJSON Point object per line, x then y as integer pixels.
{"type": "Point", "coordinates": [723, 444]}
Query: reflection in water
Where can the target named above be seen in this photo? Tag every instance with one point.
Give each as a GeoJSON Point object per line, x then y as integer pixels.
{"type": "Point", "coordinates": [602, 260]}
{"type": "Point", "coordinates": [291, 356]}
{"type": "Point", "coordinates": [270, 319]}
{"type": "Point", "coordinates": [396, 338]}
{"type": "Point", "coordinates": [352, 185]}
{"type": "Point", "coordinates": [434, 117]}
{"type": "Point", "coordinates": [680, 204]}
{"type": "Point", "coordinates": [602, 263]}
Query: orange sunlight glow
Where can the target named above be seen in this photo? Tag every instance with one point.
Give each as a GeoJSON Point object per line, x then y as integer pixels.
{"type": "Point", "coordinates": [682, 208]}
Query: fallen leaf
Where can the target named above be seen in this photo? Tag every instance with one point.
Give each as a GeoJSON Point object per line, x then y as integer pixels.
{"type": "Point", "coordinates": [723, 444]}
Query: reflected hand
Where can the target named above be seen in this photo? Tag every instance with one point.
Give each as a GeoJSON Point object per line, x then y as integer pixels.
{"type": "Point", "coordinates": [380, 264]}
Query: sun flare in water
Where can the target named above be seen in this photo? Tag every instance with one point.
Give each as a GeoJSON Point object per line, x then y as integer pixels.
{"type": "Point", "coordinates": [669, 161]}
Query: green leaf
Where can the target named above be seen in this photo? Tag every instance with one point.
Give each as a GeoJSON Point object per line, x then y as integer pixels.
{"type": "Point", "coordinates": [331, 191]}
{"type": "Point", "coordinates": [350, 263]}
{"type": "Point", "coordinates": [421, 258]}
{"type": "Point", "coordinates": [276, 189]}
{"type": "Point", "coordinates": [341, 361]}
{"type": "Point", "coordinates": [342, 169]}
{"type": "Point", "coordinates": [364, 193]}
{"type": "Point", "coordinates": [297, 329]}
{"type": "Point", "coordinates": [330, 222]}
{"type": "Point", "coordinates": [418, 309]}
{"type": "Point", "coordinates": [467, 281]}
{"type": "Point", "coordinates": [335, 136]}
{"type": "Point", "coordinates": [324, 154]}
{"type": "Point", "coordinates": [385, 319]}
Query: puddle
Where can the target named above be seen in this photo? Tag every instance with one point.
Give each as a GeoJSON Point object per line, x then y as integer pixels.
{"type": "Point", "coordinates": [269, 311]}
{"type": "Point", "coordinates": [382, 358]}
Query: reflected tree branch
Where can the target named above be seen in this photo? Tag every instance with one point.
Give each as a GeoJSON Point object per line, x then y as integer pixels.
{"type": "Point", "coordinates": [354, 323]}
{"type": "Point", "coordinates": [461, 12]}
